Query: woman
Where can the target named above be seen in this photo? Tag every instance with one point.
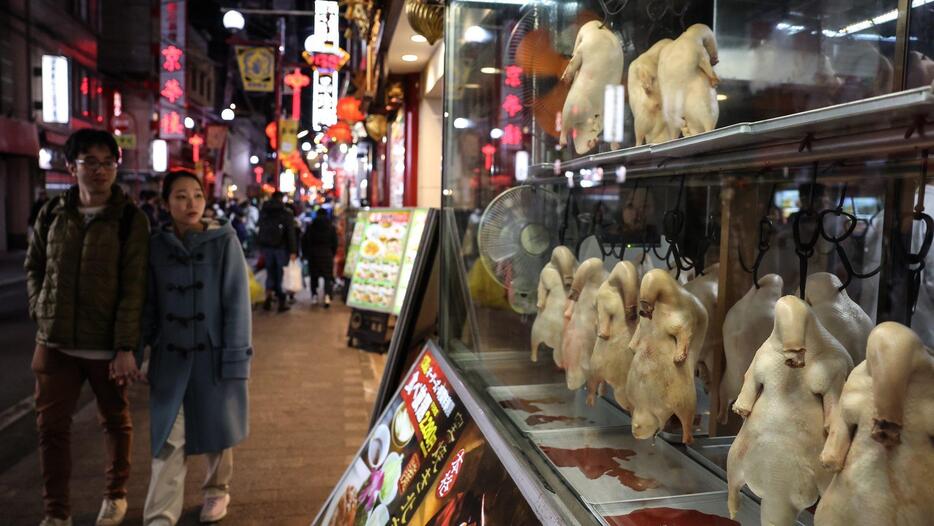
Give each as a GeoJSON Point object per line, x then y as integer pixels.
{"type": "Point", "coordinates": [197, 323]}
{"type": "Point", "coordinates": [319, 243]}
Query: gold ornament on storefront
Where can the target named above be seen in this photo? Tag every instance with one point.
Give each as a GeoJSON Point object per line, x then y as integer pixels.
{"type": "Point", "coordinates": [376, 127]}
{"type": "Point", "coordinates": [426, 17]}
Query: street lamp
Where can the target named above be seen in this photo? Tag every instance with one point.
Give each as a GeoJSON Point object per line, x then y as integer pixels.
{"type": "Point", "coordinates": [234, 20]}
{"type": "Point", "coordinates": [189, 123]}
{"type": "Point", "coordinates": [227, 114]}
{"type": "Point", "coordinates": [254, 159]}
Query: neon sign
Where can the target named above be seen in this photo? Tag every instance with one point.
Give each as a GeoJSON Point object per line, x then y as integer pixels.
{"type": "Point", "coordinates": [296, 80]}
{"type": "Point", "coordinates": [324, 85]}
{"type": "Point", "coordinates": [172, 87]}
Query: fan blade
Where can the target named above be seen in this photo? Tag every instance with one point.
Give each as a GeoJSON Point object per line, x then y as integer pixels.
{"type": "Point", "coordinates": [536, 55]}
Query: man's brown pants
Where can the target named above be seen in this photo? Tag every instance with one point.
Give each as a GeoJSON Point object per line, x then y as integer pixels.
{"type": "Point", "coordinates": [59, 378]}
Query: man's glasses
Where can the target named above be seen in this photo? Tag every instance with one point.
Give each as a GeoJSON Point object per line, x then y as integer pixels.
{"type": "Point", "coordinates": [94, 164]}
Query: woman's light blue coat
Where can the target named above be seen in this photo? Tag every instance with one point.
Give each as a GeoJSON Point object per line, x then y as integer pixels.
{"type": "Point", "coordinates": [197, 321]}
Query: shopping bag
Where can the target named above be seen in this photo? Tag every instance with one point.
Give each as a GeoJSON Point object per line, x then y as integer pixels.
{"type": "Point", "coordinates": [257, 291]}
{"type": "Point", "coordinates": [292, 277]}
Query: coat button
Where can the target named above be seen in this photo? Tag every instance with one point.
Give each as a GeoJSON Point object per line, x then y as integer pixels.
{"type": "Point", "coordinates": [200, 316]}
{"type": "Point", "coordinates": [199, 257]}
{"type": "Point", "coordinates": [170, 317]}
{"type": "Point", "coordinates": [170, 347]}
{"type": "Point", "coordinates": [199, 285]}
{"type": "Point", "coordinates": [200, 346]}
{"type": "Point", "coordinates": [170, 287]}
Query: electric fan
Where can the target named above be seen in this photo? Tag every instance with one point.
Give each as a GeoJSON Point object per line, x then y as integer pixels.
{"type": "Point", "coordinates": [517, 233]}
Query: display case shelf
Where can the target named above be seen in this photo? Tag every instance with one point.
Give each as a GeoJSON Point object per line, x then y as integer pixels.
{"type": "Point", "coordinates": [885, 123]}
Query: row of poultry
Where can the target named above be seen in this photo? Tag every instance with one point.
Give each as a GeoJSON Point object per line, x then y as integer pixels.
{"type": "Point", "coordinates": [814, 426]}
{"type": "Point", "coordinates": [671, 86]}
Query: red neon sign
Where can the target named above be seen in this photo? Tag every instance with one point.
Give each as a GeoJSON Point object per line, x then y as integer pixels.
{"type": "Point", "coordinates": [513, 76]}
{"type": "Point", "coordinates": [488, 151]}
{"type": "Point", "coordinates": [512, 135]}
{"type": "Point", "coordinates": [195, 141]}
{"type": "Point", "coordinates": [172, 124]}
{"type": "Point", "coordinates": [258, 172]}
{"type": "Point", "coordinates": [173, 58]}
{"type": "Point", "coordinates": [512, 105]}
{"type": "Point", "coordinates": [296, 80]}
{"type": "Point", "coordinates": [172, 90]}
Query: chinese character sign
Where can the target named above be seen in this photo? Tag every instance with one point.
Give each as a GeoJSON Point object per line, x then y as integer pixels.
{"type": "Point", "coordinates": [172, 69]}
{"type": "Point", "coordinates": [324, 99]}
{"type": "Point", "coordinates": [426, 463]}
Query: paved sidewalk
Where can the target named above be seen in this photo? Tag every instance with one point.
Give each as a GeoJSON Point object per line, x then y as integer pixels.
{"type": "Point", "coordinates": [311, 398]}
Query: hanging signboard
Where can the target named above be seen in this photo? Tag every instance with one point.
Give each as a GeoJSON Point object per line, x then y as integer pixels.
{"type": "Point", "coordinates": [324, 84]}
{"type": "Point", "coordinates": [426, 463]}
{"type": "Point", "coordinates": [55, 88]}
{"type": "Point", "coordinates": [216, 136]}
{"type": "Point", "coordinates": [172, 61]}
{"type": "Point", "coordinates": [288, 137]}
{"type": "Point", "coordinates": [257, 68]}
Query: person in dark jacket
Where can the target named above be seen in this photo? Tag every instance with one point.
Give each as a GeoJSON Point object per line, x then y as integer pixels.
{"type": "Point", "coordinates": [319, 244]}
{"type": "Point", "coordinates": [197, 322]}
{"type": "Point", "coordinates": [278, 243]}
{"type": "Point", "coordinates": [86, 278]}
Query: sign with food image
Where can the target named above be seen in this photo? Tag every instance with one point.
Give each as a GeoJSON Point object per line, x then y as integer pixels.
{"type": "Point", "coordinates": [426, 463]}
{"type": "Point", "coordinates": [379, 256]}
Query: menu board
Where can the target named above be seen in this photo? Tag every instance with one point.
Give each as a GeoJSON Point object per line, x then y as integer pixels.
{"type": "Point", "coordinates": [419, 216]}
{"type": "Point", "coordinates": [426, 463]}
{"type": "Point", "coordinates": [382, 257]}
{"type": "Point", "coordinates": [354, 249]}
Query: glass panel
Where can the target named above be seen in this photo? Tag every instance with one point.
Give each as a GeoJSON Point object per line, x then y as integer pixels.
{"type": "Point", "coordinates": [920, 66]}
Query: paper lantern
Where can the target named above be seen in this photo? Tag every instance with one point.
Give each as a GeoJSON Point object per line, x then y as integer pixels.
{"type": "Point", "coordinates": [348, 110]}
{"type": "Point", "coordinates": [272, 132]}
{"type": "Point", "coordinates": [340, 133]}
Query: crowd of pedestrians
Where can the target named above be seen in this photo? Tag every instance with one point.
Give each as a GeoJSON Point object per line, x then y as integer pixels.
{"type": "Point", "coordinates": [113, 285]}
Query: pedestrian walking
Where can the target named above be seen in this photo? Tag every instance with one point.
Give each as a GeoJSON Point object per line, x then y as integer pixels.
{"type": "Point", "coordinates": [86, 277]}
{"type": "Point", "coordinates": [197, 322]}
{"type": "Point", "coordinates": [150, 207]}
{"type": "Point", "coordinates": [319, 244]}
{"type": "Point", "coordinates": [277, 241]}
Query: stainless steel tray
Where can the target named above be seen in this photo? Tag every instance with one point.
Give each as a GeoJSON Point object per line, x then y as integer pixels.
{"type": "Point", "coordinates": [608, 465]}
{"type": "Point", "coordinates": [710, 510]}
{"type": "Point", "coordinates": [553, 406]}
{"type": "Point", "coordinates": [514, 369]}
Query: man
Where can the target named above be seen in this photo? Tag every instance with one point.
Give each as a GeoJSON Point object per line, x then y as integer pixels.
{"type": "Point", "coordinates": [277, 240]}
{"type": "Point", "coordinates": [147, 203]}
{"type": "Point", "coordinates": [86, 271]}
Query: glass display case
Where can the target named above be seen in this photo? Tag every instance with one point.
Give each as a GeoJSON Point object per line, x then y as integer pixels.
{"type": "Point", "coordinates": [662, 215]}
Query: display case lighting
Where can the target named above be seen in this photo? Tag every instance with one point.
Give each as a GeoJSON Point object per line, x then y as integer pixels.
{"type": "Point", "coordinates": [476, 35]}
{"type": "Point", "coordinates": [460, 123]}
{"type": "Point", "coordinates": [489, 70]}
{"type": "Point", "coordinates": [418, 39]}
{"type": "Point", "coordinates": [409, 58]}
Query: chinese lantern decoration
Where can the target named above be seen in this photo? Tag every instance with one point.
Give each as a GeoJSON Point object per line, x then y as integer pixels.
{"type": "Point", "coordinates": [272, 132]}
{"type": "Point", "coordinates": [348, 110]}
{"type": "Point", "coordinates": [340, 133]}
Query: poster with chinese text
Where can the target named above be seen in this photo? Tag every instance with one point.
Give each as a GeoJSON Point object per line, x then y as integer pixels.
{"type": "Point", "coordinates": [426, 463]}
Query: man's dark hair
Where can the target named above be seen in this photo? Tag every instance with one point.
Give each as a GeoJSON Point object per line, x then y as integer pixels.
{"type": "Point", "coordinates": [81, 140]}
{"type": "Point", "coordinates": [173, 176]}
{"type": "Point", "coordinates": [277, 196]}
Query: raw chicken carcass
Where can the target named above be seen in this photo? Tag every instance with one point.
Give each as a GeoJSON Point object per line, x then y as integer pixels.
{"type": "Point", "coordinates": [645, 100]}
{"type": "Point", "coordinates": [597, 62]}
{"type": "Point", "coordinates": [705, 288]}
{"type": "Point", "coordinates": [553, 284]}
{"type": "Point", "coordinates": [880, 437]}
{"type": "Point", "coordinates": [617, 317]}
{"type": "Point", "coordinates": [839, 314]}
{"type": "Point", "coordinates": [746, 327]}
{"type": "Point", "coordinates": [687, 80]}
{"type": "Point", "coordinates": [788, 394]}
{"type": "Point", "coordinates": [666, 347]}
{"type": "Point", "coordinates": [580, 334]}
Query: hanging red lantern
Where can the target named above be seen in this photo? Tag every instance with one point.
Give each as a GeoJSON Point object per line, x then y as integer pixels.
{"type": "Point", "coordinates": [340, 133]}
{"type": "Point", "coordinates": [272, 132]}
{"type": "Point", "coordinates": [348, 110]}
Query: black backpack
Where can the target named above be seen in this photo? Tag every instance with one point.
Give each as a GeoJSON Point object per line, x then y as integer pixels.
{"type": "Point", "coordinates": [271, 230]}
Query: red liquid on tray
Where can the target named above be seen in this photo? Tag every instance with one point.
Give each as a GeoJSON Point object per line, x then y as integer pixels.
{"type": "Point", "coordinates": [669, 517]}
{"type": "Point", "coordinates": [597, 462]}
{"type": "Point", "coordinates": [527, 406]}
{"type": "Point", "coordinates": [537, 420]}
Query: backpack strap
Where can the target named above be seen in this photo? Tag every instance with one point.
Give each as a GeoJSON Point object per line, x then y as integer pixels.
{"type": "Point", "coordinates": [49, 216]}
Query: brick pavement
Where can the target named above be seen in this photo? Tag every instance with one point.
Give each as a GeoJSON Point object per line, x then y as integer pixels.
{"type": "Point", "coordinates": [311, 398]}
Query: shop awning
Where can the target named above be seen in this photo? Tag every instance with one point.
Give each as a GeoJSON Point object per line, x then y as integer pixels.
{"type": "Point", "coordinates": [18, 137]}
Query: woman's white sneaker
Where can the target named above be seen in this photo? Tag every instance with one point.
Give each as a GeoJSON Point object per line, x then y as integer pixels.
{"type": "Point", "coordinates": [112, 512]}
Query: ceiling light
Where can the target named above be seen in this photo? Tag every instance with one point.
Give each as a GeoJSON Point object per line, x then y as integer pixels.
{"type": "Point", "coordinates": [189, 123]}
{"type": "Point", "coordinates": [418, 38]}
{"type": "Point", "coordinates": [496, 133]}
{"type": "Point", "coordinates": [476, 34]}
{"type": "Point", "coordinates": [234, 20]}
{"type": "Point", "coordinates": [409, 58]}
{"type": "Point", "coordinates": [721, 97]}
{"type": "Point", "coordinates": [460, 123]}
{"type": "Point", "coordinates": [233, 106]}
{"type": "Point", "coordinates": [489, 70]}
{"type": "Point", "coordinates": [254, 159]}
{"type": "Point", "coordinates": [227, 114]}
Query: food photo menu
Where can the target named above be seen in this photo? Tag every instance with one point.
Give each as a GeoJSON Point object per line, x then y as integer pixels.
{"type": "Point", "coordinates": [426, 463]}
{"type": "Point", "coordinates": [379, 258]}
